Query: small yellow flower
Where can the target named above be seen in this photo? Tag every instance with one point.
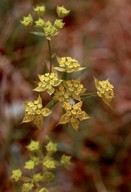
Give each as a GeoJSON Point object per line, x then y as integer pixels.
{"type": "Point", "coordinates": [59, 23]}
{"type": "Point", "coordinates": [27, 21]}
{"type": "Point", "coordinates": [44, 190]}
{"type": "Point", "coordinates": [39, 23]}
{"type": "Point", "coordinates": [49, 29]}
{"type": "Point", "coordinates": [73, 114]}
{"type": "Point", "coordinates": [29, 165]}
{"type": "Point", "coordinates": [33, 146]}
{"type": "Point", "coordinates": [34, 112]}
{"type": "Point", "coordinates": [51, 147]}
{"type": "Point", "coordinates": [62, 11]}
{"type": "Point", "coordinates": [37, 177]}
{"type": "Point", "coordinates": [40, 10]}
{"type": "Point", "coordinates": [27, 187]}
{"type": "Point", "coordinates": [105, 90]}
{"type": "Point", "coordinates": [48, 177]}
{"type": "Point", "coordinates": [66, 161]}
{"type": "Point", "coordinates": [16, 174]}
{"type": "Point", "coordinates": [67, 64]}
{"type": "Point", "coordinates": [49, 163]}
{"type": "Point", "coordinates": [47, 82]}
{"type": "Point", "coordinates": [68, 90]}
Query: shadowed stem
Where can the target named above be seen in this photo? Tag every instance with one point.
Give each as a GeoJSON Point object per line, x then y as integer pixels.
{"type": "Point", "coordinates": [49, 47]}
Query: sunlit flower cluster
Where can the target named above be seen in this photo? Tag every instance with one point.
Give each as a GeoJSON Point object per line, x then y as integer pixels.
{"type": "Point", "coordinates": [73, 114]}
{"type": "Point", "coordinates": [34, 112]}
{"type": "Point", "coordinates": [71, 89]}
{"type": "Point", "coordinates": [105, 90]}
{"type": "Point", "coordinates": [47, 83]}
{"type": "Point", "coordinates": [68, 64]}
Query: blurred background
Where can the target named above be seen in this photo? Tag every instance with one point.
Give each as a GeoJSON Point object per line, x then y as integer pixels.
{"type": "Point", "coordinates": [98, 34]}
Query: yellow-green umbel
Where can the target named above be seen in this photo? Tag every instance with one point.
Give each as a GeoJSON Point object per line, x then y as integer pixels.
{"type": "Point", "coordinates": [62, 11]}
{"type": "Point", "coordinates": [35, 112]}
{"type": "Point", "coordinates": [68, 64]}
{"type": "Point", "coordinates": [67, 90]}
{"type": "Point", "coordinates": [27, 21]}
{"type": "Point", "coordinates": [73, 114]}
{"type": "Point", "coordinates": [47, 83]}
{"type": "Point", "coordinates": [104, 90]}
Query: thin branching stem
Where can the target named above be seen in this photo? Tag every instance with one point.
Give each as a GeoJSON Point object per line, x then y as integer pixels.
{"type": "Point", "coordinates": [50, 56]}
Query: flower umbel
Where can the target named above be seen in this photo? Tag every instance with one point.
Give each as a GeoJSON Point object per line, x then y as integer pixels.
{"type": "Point", "coordinates": [16, 174]}
{"type": "Point", "coordinates": [73, 114]}
{"type": "Point", "coordinates": [40, 10]}
{"type": "Point", "coordinates": [68, 90]}
{"type": "Point", "coordinates": [66, 161]}
{"type": "Point", "coordinates": [39, 23]}
{"type": "Point", "coordinates": [27, 21]}
{"type": "Point", "coordinates": [68, 64]}
{"type": "Point", "coordinates": [49, 163]}
{"type": "Point", "coordinates": [62, 11]}
{"type": "Point", "coordinates": [47, 82]}
{"type": "Point", "coordinates": [51, 147]}
{"type": "Point", "coordinates": [34, 112]}
{"type": "Point", "coordinates": [33, 146]}
{"type": "Point", "coordinates": [27, 187]}
{"type": "Point", "coordinates": [105, 90]}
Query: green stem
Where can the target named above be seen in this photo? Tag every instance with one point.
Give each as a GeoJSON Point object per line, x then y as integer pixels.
{"type": "Point", "coordinates": [50, 56]}
{"type": "Point", "coordinates": [86, 95]}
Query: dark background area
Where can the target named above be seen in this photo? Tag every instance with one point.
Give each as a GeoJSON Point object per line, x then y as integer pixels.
{"type": "Point", "coordinates": [98, 34]}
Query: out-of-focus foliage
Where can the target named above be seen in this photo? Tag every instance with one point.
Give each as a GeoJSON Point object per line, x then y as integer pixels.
{"type": "Point", "coordinates": [97, 33]}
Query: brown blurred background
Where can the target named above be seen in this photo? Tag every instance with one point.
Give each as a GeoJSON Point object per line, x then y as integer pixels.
{"type": "Point", "coordinates": [98, 34]}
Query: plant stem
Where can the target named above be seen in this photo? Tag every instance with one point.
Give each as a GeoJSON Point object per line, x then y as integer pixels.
{"type": "Point", "coordinates": [49, 47]}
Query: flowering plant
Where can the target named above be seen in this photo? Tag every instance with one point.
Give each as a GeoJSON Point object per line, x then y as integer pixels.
{"type": "Point", "coordinates": [67, 92]}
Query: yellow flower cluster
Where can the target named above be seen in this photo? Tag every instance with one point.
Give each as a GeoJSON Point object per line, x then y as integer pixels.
{"type": "Point", "coordinates": [73, 114]}
{"type": "Point", "coordinates": [47, 28]}
{"type": "Point", "coordinates": [34, 112]}
{"type": "Point", "coordinates": [71, 89]}
{"type": "Point", "coordinates": [49, 163]}
{"type": "Point", "coordinates": [47, 83]}
{"type": "Point", "coordinates": [27, 187]}
{"type": "Point", "coordinates": [33, 146]}
{"type": "Point", "coordinates": [105, 90]}
{"type": "Point", "coordinates": [62, 12]}
{"type": "Point", "coordinates": [16, 174]}
{"type": "Point", "coordinates": [27, 21]}
{"type": "Point", "coordinates": [68, 64]}
{"type": "Point", "coordinates": [40, 10]}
